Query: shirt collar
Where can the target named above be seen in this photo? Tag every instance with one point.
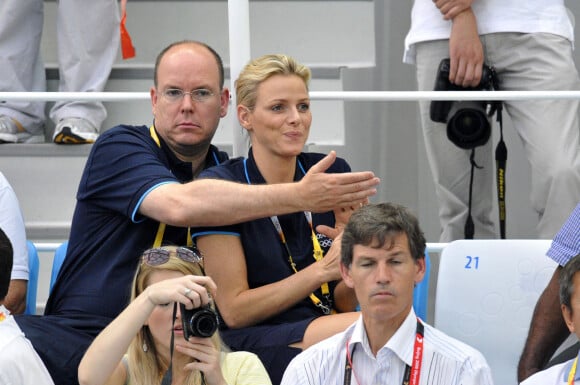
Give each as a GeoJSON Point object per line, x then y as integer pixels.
{"type": "Point", "coordinates": [401, 343]}
{"type": "Point", "coordinates": [253, 175]}
{"type": "Point", "coordinates": [568, 367]}
{"type": "Point", "coordinates": [4, 313]}
{"type": "Point", "coordinates": [184, 169]}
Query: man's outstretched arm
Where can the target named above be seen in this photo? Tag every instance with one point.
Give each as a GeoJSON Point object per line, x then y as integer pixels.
{"type": "Point", "coordinates": [212, 202]}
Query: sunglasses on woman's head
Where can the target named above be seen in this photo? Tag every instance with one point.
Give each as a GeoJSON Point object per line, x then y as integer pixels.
{"type": "Point", "coordinates": [160, 255]}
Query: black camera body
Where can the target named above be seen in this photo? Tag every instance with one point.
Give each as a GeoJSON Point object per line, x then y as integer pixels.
{"type": "Point", "coordinates": [468, 123]}
{"type": "Point", "coordinates": [198, 322]}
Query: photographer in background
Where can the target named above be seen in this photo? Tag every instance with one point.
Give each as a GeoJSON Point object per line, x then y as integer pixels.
{"type": "Point", "coordinates": [137, 346]}
{"type": "Point", "coordinates": [530, 47]}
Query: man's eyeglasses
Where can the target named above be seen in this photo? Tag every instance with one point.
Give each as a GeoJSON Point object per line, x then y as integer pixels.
{"type": "Point", "coordinates": [174, 95]}
{"type": "Point", "coordinates": [160, 255]}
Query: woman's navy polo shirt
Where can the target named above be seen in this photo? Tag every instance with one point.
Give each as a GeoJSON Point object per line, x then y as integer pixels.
{"type": "Point", "coordinates": [266, 257]}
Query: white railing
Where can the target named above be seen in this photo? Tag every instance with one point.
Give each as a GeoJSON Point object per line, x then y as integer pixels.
{"type": "Point", "coordinates": [51, 246]}
{"type": "Point", "coordinates": [355, 96]}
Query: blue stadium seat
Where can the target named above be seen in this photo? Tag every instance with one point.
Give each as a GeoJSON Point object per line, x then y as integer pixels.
{"type": "Point", "coordinates": [421, 291]}
{"type": "Point", "coordinates": [33, 267]}
{"type": "Point", "coordinates": [59, 255]}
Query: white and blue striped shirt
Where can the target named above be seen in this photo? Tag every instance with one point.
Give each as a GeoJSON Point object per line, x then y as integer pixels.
{"type": "Point", "coordinates": [554, 375]}
{"type": "Point", "coordinates": [566, 243]}
{"type": "Point", "coordinates": [446, 361]}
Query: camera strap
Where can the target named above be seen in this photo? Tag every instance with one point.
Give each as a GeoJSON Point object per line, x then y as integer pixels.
{"type": "Point", "coordinates": [500, 169]}
{"type": "Point", "coordinates": [500, 165]}
{"type": "Point", "coordinates": [469, 228]}
{"type": "Point", "coordinates": [166, 380]}
{"type": "Point", "coordinates": [500, 158]}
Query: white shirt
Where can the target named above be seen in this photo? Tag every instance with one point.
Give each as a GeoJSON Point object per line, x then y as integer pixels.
{"type": "Point", "coordinates": [554, 375]}
{"type": "Point", "coordinates": [12, 223]}
{"type": "Point", "coordinates": [529, 16]}
{"type": "Point", "coordinates": [446, 361]}
{"type": "Point", "coordinates": [19, 363]}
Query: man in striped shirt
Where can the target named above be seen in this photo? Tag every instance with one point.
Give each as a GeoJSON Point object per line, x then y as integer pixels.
{"type": "Point", "coordinates": [565, 372]}
{"type": "Point", "coordinates": [382, 258]}
{"type": "Point", "coordinates": [548, 329]}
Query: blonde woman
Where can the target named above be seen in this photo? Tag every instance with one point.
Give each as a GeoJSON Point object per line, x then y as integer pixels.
{"type": "Point", "coordinates": [135, 348]}
{"type": "Point", "coordinates": [278, 277]}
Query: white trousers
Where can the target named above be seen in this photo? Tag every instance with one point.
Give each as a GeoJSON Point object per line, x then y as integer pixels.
{"type": "Point", "coordinates": [88, 42]}
{"type": "Point", "coordinates": [549, 131]}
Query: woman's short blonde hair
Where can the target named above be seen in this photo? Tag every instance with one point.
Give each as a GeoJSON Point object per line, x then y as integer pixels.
{"type": "Point", "coordinates": [262, 68]}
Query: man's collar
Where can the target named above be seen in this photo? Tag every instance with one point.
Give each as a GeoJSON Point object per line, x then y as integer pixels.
{"type": "Point", "coordinates": [212, 158]}
{"type": "Point", "coordinates": [568, 367]}
{"type": "Point", "coordinates": [4, 313]}
{"type": "Point", "coordinates": [401, 343]}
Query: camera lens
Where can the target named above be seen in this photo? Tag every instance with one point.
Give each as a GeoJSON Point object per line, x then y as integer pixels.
{"type": "Point", "coordinates": [203, 323]}
{"type": "Point", "coordinates": [468, 126]}
{"type": "Point", "coordinates": [198, 322]}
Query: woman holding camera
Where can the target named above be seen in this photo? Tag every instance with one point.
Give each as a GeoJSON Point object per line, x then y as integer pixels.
{"type": "Point", "coordinates": [145, 344]}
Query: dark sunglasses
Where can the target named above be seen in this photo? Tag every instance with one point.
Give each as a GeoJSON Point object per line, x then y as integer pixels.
{"type": "Point", "coordinates": [160, 255]}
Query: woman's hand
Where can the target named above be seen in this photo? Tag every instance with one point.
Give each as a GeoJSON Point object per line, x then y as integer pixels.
{"type": "Point", "coordinates": [341, 217]}
{"type": "Point", "coordinates": [206, 358]}
{"type": "Point", "coordinates": [330, 262]}
{"type": "Point", "coordinates": [191, 290]}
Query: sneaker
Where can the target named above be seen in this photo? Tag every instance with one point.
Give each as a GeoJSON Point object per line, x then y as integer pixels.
{"type": "Point", "coordinates": [75, 131]}
{"type": "Point", "coordinates": [11, 131]}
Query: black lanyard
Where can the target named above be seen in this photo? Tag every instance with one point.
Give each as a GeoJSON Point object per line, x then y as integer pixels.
{"type": "Point", "coordinates": [416, 360]}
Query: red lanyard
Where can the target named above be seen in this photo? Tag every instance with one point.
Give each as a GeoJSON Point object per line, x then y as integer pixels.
{"type": "Point", "coordinates": [412, 373]}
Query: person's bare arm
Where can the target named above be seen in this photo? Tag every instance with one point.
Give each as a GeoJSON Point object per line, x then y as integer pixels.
{"type": "Point", "coordinates": [344, 298]}
{"type": "Point", "coordinates": [211, 202]}
{"type": "Point", "coordinates": [465, 51]}
{"type": "Point", "coordinates": [242, 306]}
{"type": "Point", "coordinates": [451, 8]}
{"type": "Point", "coordinates": [547, 330]}
{"type": "Point", "coordinates": [15, 300]}
{"type": "Point", "coordinates": [101, 363]}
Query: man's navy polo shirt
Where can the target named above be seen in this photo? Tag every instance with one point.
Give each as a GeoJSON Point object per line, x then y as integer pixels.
{"type": "Point", "coordinates": [266, 257]}
{"type": "Point", "coordinates": [108, 235]}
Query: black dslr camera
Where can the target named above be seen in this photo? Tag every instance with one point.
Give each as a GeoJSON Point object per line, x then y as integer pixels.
{"type": "Point", "coordinates": [467, 121]}
{"type": "Point", "coordinates": [198, 322]}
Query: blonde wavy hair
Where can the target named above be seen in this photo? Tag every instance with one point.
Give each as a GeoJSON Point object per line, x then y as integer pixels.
{"type": "Point", "coordinates": [262, 68]}
{"type": "Point", "coordinates": [148, 367]}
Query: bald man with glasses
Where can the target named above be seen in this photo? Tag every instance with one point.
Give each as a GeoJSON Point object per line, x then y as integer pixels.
{"type": "Point", "coordinates": [138, 191]}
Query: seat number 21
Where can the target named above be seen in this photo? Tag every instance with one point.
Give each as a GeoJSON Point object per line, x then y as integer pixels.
{"type": "Point", "coordinates": [472, 262]}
